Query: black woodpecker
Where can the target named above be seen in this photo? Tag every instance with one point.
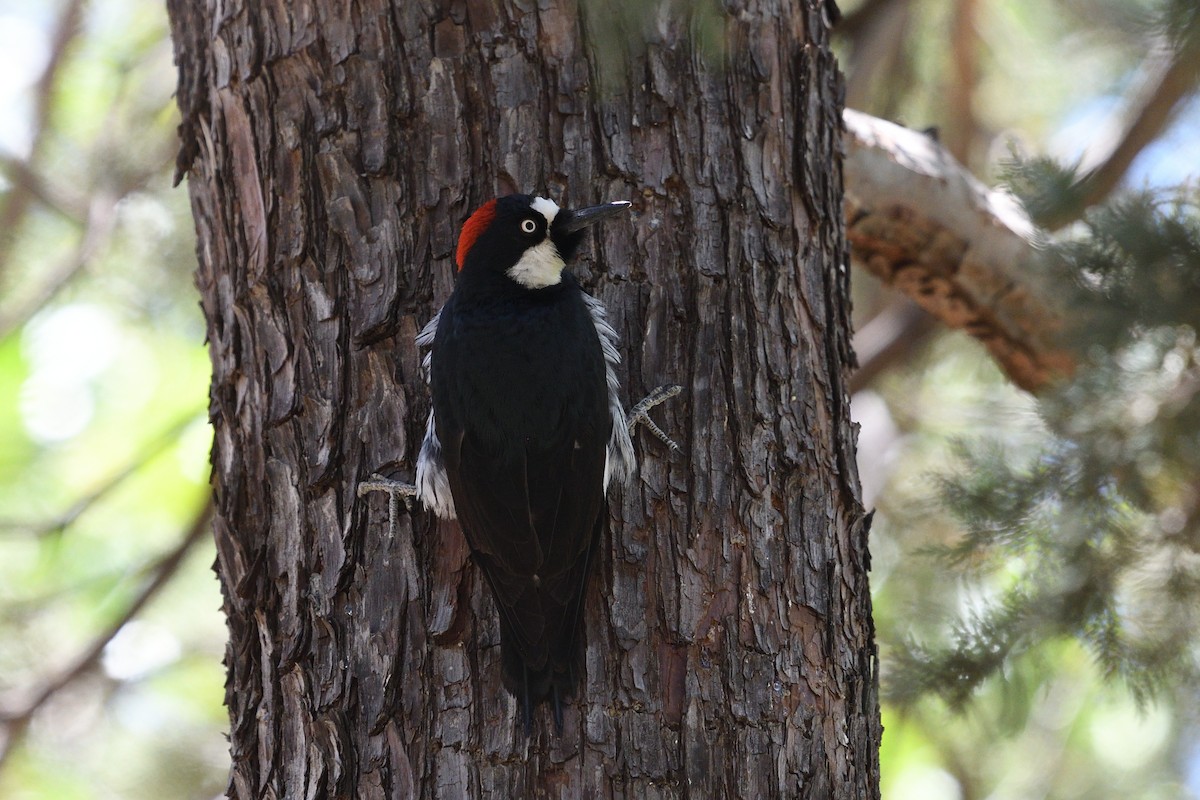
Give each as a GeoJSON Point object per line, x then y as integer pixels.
{"type": "Point", "coordinates": [527, 430]}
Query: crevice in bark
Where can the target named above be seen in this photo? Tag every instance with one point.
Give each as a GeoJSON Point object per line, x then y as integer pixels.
{"type": "Point", "coordinates": [728, 620]}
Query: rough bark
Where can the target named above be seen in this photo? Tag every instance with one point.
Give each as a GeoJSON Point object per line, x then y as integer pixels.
{"type": "Point", "coordinates": [331, 156]}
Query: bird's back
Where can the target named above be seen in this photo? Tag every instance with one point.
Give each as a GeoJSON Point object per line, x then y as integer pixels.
{"type": "Point", "coordinates": [522, 414]}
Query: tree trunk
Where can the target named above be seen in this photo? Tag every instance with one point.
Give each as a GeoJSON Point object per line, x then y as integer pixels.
{"type": "Point", "coordinates": [331, 157]}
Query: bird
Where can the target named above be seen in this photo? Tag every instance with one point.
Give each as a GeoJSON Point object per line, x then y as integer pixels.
{"type": "Point", "coordinates": [527, 430]}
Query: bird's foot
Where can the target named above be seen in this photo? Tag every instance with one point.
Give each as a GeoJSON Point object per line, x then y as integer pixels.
{"type": "Point", "coordinates": [641, 412]}
{"type": "Point", "coordinates": [396, 491]}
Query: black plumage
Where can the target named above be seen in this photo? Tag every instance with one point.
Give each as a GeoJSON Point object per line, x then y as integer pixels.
{"type": "Point", "coordinates": [524, 422]}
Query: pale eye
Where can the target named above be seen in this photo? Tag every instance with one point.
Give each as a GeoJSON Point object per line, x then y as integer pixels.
{"type": "Point", "coordinates": [528, 225]}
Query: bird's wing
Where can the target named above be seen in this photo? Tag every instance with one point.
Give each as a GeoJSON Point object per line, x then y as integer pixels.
{"type": "Point", "coordinates": [568, 534]}
{"type": "Point", "coordinates": [531, 521]}
{"type": "Point", "coordinates": [566, 495]}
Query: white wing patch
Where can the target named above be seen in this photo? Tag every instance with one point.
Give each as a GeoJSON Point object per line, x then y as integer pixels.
{"type": "Point", "coordinates": [619, 461]}
{"type": "Point", "coordinates": [433, 484]}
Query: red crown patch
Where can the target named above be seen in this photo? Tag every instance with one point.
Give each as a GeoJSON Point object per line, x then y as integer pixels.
{"type": "Point", "coordinates": [472, 229]}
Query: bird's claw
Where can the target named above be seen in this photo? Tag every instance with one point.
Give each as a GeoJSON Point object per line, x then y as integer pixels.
{"type": "Point", "coordinates": [395, 490]}
{"type": "Point", "coordinates": [641, 412]}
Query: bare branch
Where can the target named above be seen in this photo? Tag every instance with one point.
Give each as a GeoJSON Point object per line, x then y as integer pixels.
{"type": "Point", "coordinates": [878, 32]}
{"type": "Point", "coordinates": [887, 339]}
{"type": "Point", "coordinates": [918, 220]}
{"type": "Point", "coordinates": [19, 173]}
{"type": "Point", "coordinates": [100, 222]}
{"type": "Point", "coordinates": [102, 217]}
{"type": "Point", "coordinates": [17, 203]}
{"type": "Point", "coordinates": [852, 24]}
{"type": "Point", "coordinates": [68, 517]}
{"type": "Point", "coordinates": [960, 126]}
{"type": "Point", "coordinates": [1169, 74]}
{"type": "Point", "coordinates": [16, 721]}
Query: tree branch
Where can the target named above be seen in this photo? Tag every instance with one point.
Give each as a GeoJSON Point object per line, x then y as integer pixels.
{"type": "Point", "coordinates": [16, 722]}
{"type": "Point", "coordinates": [852, 24]}
{"type": "Point", "coordinates": [877, 33]}
{"type": "Point", "coordinates": [918, 220]}
{"type": "Point", "coordinates": [76, 510]}
{"type": "Point", "coordinates": [101, 219]}
{"type": "Point", "coordinates": [960, 126]}
{"type": "Point", "coordinates": [17, 203]}
{"type": "Point", "coordinates": [886, 339]}
{"type": "Point", "coordinates": [1169, 74]}
{"type": "Point", "coordinates": [22, 175]}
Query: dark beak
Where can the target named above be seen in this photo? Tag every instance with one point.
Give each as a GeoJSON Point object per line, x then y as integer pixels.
{"type": "Point", "coordinates": [569, 221]}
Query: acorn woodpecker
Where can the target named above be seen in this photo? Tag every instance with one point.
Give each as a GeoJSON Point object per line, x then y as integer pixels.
{"type": "Point", "coordinates": [527, 430]}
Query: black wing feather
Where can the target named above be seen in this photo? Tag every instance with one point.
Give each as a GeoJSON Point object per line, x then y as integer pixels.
{"type": "Point", "coordinates": [532, 537]}
{"type": "Point", "coordinates": [524, 434]}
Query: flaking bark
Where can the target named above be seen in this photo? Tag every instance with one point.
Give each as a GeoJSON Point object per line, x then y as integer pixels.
{"type": "Point", "coordinates": [331, 156]}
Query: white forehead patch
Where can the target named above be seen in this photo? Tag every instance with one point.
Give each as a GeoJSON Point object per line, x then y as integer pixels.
{"type": "Point", "coordinates": [547, 208]}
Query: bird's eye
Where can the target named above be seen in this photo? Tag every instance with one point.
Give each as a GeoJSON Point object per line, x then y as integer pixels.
{"type": "Point", "coordinates": [528, 225]}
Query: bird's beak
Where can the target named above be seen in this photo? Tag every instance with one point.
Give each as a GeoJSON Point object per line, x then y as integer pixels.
{"type": "Point", "coordinates": [569, 221]}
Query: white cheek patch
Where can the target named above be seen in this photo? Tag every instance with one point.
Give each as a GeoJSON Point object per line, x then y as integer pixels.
{"type": "Point", "coordinates": [547, 208]}
{"type": "Point", "coordinates": [540, 266]}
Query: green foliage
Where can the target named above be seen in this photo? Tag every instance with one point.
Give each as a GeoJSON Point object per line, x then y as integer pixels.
{"type": "Point", "coordinates": [1051, 729]}
{"type": "Point", "coordinates": [1180, 19]}
{"type": "Point", "coordinates": [1094, 535]}
{"type": "Point", "coordinates": [1044, 187]}
{"type": "Point", "coordinates": [103, 380]}
{"type": "Point", "coordinates": [1075, 555]}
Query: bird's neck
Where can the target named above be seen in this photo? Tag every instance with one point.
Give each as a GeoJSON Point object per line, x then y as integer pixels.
{"type": "Point", "coordinates": [488, 286]}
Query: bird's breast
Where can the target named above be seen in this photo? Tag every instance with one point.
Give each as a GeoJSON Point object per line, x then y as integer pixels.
{"type": "Point", "coordinates": [522, 373]}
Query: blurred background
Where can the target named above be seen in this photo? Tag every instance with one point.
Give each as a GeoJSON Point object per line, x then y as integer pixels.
{"type": "Point", "coordinates": [111, 638]}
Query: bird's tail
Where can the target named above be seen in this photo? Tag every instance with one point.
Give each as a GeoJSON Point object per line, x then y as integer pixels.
{"type": "Point", "coordinates": [550, 670]}
{"type": "Point", "coordinates": [554, 681]}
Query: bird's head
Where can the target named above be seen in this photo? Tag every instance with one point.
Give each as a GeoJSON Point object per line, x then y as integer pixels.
{"type": "Point", "coordinates": [527, 238]}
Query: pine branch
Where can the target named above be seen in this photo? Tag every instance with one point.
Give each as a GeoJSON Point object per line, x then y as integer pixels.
{"type": "Point", "coordinates": [1169, 74]}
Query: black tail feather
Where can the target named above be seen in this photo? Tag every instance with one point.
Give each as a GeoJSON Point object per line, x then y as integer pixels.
{"type": "Point", "coordinates": [527, 706]}
{"type": "Point", "coordinates": [556, 699]}
{"type": "Point", "coordinates": [553, 684]}
{"type": "Point", "coordinates": [550, 670]}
